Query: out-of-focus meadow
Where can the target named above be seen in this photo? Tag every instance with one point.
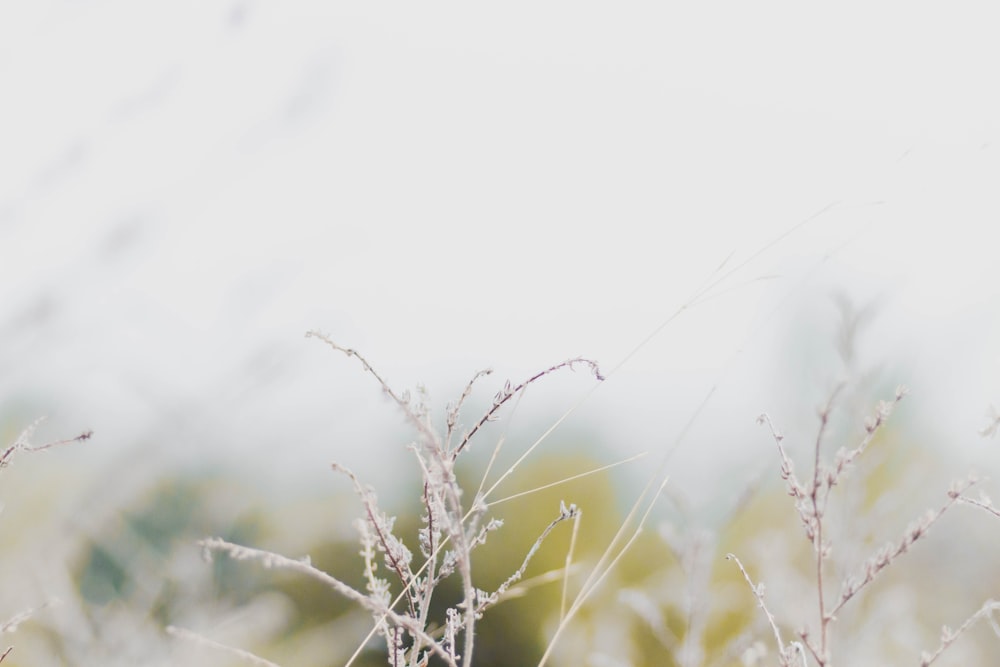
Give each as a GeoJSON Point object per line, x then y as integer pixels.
{"type": "Point", "coordinates": [730, 213]}
{"type": "Point", "coordinates": [104, 560]}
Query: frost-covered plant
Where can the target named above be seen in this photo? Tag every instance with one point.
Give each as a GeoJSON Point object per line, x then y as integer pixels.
{"type": "Point", "coordinates": [811, 497]}
{"type": "Point", "coordinates": [453, 526]}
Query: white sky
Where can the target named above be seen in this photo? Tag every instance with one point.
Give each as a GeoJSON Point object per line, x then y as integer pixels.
{"type": "Point", "coordinates": [186, 187]}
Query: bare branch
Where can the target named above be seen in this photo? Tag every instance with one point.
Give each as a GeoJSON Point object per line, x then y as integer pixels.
{"type": "Point", "coordinates": [509, 392]}
{"type": "Point", "coordinates": [948, 636]}
{"type": "Point", "coordinates": [758, 593]}
{"type": "Point", "coordinates": [23, 443]}
{"type": "Point", "coordinates": [272, 560]}
{"type": "Point", "coordinates": [885, 556]}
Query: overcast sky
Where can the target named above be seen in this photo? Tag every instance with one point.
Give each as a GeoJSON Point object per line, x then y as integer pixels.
{"type": "Point", "coordinates": [187, 187]}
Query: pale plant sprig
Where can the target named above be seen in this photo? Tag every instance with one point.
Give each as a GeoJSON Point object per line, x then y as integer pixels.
{"type": "Point", "coordinates": [510, 391]}
{"type": "Point", "coordinates": [563, 573]}
{"type": "Point", "coordinates": [23, 443]}
{"type": "Point", "coordinates": [983, 502]}
{"type": "Point", "coordinates": [446, 522]}
{"type": "Point", "coordinates": [785, 651]}
{"type": "Point", "coordinates": [454, 409]}
{"type": "Point", "coordinates": [811, 500]}
{"type": "Point", "coordinates": [430, 442]}
{"type": "Point", "coordinates": [881, 559]}
{"type": "Point", "coordinates": [948, 636]}
{"type": "Point", "coordinates": [989, 607]}
{"type": "Point", "coordinates": [439, 467]}
{"type": "Point", "coordinates": [565, 513]}
{"type": "Point", "coordinates": [376, 601]}
{"type": "Point", "coordinates": [443, 466]}
{"type": "Point", "coordinates": [271, 560]}
{"type": "Point", "coordinates": [397, 556]}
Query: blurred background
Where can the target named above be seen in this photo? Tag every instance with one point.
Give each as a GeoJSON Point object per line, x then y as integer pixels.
{"type": "Point", "coordinates": [731, 208]}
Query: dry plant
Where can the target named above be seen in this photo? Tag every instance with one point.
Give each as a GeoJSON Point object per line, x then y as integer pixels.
{"type": "Point", "coordinates": [453, 526]}
{"type": "Point", "coordinates": [23, 444]}
{"type": "Point", "coordinates": [811, 497]}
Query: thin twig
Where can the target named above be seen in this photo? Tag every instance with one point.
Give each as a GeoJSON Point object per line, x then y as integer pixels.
{"type": "Point", "coordinates": [565, 513]}
{"type": "Point", "coordinates": [948, 636]}
{"type": "Point", "coordinates": [452, 414]}
{"type": "Point", "coordinates": [758, 593]}
{"type": "Point", "coordinates": [509, 392]}
{"type": "Point", "coordinates": [395, 552]}
{"type": "Point", "coordinates": [984, 504]}
{"type": "Point", "coordinates": [820, 549]}
{"type": "Point", "coordinates": [401, 401]}
{"type": "Point", "coordinates": [23, 443]}
{"type": "Point", "coordinates": [885, 556]}
{"type": "Point", "coordinates": [272, 560]}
